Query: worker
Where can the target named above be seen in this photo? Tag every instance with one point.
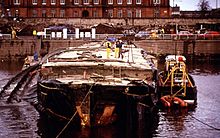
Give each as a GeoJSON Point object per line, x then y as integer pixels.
{"type": "Point", "coordinates": [35, 56]}
{"type": "Point", "coordinates": [118, 50]}
{"type": "Point", "coordinates": [108, 45]}
{"type": "Point", "coordinates": [34, 33]}
{"type": "Point", "coordinates": [108, 50]}
{"type": "Point", "coordinates": [162, 31]}
{"type": "Point", "coordinates": [27, 62]}
{"type": "Point", "coordinates": [13, 33]}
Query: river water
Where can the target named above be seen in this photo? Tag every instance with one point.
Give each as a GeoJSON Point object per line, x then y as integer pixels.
{"type": "Point", "coordinates": [22, 120]}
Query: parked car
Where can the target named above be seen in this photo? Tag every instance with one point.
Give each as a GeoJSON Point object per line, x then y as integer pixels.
{"type": "Point", "coordinates": [210, 35]}
{"type": "Point", "coordinates": [142, 35]}
{"type": "Point", "coordinates": [201, 31]}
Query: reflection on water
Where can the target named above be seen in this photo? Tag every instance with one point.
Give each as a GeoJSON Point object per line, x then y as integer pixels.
{"type": "Point", "coordinates": [22, 120]}
{"type": "Point", "coordinates": [172, 123]}
{"type": "Point", "coordinates": [18, 121]}
{"type": "Point", "coordinates": [203, 68]}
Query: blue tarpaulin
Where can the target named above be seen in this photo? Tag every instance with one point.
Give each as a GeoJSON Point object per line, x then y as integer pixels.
{"type": "Point", "coordinates": [111, 39]}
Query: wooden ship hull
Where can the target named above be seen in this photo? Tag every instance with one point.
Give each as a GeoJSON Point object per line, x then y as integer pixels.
{"type": "Point", "coordinates": [102, 105]}
{"type": "Point", "coordinates": [84, 86]}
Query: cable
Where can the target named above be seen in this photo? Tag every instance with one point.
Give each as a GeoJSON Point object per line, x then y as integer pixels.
{"type": "Point", "coordinates": [218, 129]}
{"type": "Point", "coordinates": [74, 113]}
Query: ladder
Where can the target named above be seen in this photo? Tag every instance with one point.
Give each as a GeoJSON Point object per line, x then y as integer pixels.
{"type": "Point", "coordinates": [116, 72]}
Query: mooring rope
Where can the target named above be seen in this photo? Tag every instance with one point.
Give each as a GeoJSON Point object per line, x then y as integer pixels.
{"type": "Point", "coordinates": [144, 105]}
{"type": "Point", "coordinates": [75, 112]}
{"type": "Point", "coordinates": [57, 115]}
{"type": "Point", "coordinates": [206, 124]}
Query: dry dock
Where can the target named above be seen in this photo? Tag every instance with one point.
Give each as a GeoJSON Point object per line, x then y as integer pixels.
{"type": "Point", "coordinates": [20, 48]}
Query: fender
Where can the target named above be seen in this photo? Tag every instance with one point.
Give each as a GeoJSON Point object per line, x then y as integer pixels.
{"type": "Point", "coordinates": [166, 101]}
{"type": "Point", "coordinates": [180, 101]}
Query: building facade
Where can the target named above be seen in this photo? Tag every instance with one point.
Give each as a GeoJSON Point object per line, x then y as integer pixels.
{"type": "Point", "coordinates": [1, 8]}
{"type": "Point", "coordinates": [87, 8]}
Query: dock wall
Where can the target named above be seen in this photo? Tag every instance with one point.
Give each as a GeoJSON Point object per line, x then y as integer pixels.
{"type": "Point", "coordinates": [134, 21]}
{"type": "Point", "coordinates": [18, 49]}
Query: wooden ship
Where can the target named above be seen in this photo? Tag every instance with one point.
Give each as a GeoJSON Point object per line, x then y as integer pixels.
{"type": "Point", "coordinates": [91, 85]}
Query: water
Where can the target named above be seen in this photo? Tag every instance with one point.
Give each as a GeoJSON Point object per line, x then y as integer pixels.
{"type": "Point", "coordinates": [22, 120]}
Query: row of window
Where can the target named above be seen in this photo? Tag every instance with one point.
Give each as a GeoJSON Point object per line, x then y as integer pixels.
{"type": "Point", "coordinates": [136, 14]}
{"type": "Point", "coordinates": [44, 2]}
{"type": "Point", "coordinates": [120, 1]}
{"type": "Point", "coordinates": [62, 2]}
{"type": "Point", "coordinates": [129, 13]}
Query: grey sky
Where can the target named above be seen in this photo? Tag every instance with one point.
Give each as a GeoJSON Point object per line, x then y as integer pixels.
{"type": "Point", "coordinates": [192, 4]}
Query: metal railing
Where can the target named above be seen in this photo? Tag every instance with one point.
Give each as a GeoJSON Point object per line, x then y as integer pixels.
{"type": "Point", "coordinates": [150, 37]}
{"type": "Point", "coordinates": [73, 37]}
{"type": "Point", "coordinates": [182, 37]}
{"type": "Point", "coordinates": [5, 36]}
{"type": "Point", "coordinates": [104, 36]}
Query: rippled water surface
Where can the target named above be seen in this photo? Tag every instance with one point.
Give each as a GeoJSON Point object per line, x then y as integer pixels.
{"type": "Point", "coordinates": [22, 120]}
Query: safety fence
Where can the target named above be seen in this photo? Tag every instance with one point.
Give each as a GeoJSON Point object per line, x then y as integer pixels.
{"type": "Point", "coordinates": [130, 37]}
{"type": "Point", "coordinates": [146, 37]}
{"type": "Point", "coordinates": [5, 36]}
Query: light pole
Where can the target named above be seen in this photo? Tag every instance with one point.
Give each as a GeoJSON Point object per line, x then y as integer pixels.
{"type": "Point", "coordinates": [106, 13]}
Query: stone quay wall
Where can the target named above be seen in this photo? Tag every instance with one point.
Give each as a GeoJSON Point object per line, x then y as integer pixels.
{"type": "Point", "coordinates": [164, 47]}
{"type": "Point", "coordinates": [19, 49]}
{"type": "Point", "coordinates": [125, 21]}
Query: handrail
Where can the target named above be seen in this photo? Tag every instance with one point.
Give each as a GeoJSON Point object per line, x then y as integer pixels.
{"type": "Point", "coordinates": [149, 37]}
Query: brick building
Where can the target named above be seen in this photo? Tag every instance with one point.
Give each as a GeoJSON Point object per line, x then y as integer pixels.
{"type": "Point", "coordinates": [87, 8]}
{"type": "Point", "coordinates": [1, 7]}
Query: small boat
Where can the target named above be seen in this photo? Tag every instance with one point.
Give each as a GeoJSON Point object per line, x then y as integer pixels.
{"type": "Point", "coordinates": [87, 86]}
{"type": "Point", "coordinates": [175, 85]}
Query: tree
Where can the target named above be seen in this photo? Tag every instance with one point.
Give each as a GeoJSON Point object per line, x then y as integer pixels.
{"type": "Point", "coordinates": [204, 5]}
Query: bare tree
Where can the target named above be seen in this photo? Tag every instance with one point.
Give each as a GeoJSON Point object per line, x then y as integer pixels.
{"type": "Point", "coordinates": [204, 5]}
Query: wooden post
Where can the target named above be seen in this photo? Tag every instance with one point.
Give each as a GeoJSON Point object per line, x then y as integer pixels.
{"type": "Point", "coordinates": [185, 47]}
